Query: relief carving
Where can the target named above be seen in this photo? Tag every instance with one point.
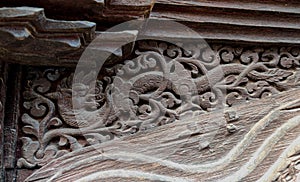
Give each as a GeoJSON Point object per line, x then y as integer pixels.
{"type": "Point", "coordinates": [272, 133]}
{"type": "Point", "coordinates": [292, 171]}
{"type": "Point", "coordinates": [161, 85]}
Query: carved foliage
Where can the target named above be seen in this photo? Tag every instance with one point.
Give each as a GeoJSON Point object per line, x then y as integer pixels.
{"type": "Point", "coordinates": [292, 172]}
{"type": "Point", "coordinates": [161, 85]}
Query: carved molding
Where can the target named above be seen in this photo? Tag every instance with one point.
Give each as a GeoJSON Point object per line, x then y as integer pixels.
{"type": "Point", "coordinates": [105, 12]}
{"type": "Point", "coordinates": [130, 98]}
{"type": "Point", "coordinates": [28, 37]}
{"type": "Point", "coordinates": [244, 21]}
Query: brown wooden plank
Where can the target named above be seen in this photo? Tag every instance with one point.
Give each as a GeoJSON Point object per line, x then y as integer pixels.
{"type": "Point", "coordinates": [3, 82]}
{"type": "Point", "coordinates": [11, 120]}
{"type": "Point", "coordinates": [105, 12]}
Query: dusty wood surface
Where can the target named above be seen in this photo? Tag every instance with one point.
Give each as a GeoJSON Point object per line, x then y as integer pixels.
{"type": "Point", "coordinates": [28, 37]}
{"type": "Point", "coordinates": [267, 133]}
{"type": "Point", "coordinates": [252, 81]}
{"type": "Point", "coordinates": [11, 82]}
{"type": "Point", "coordinates": [254, 137]}
{"type": "Point", "coordinates": [105, 13]}
{"type": "Point", "coordinates": [243, 21]}
{"type": "Point", "coordinates": [3, 76]}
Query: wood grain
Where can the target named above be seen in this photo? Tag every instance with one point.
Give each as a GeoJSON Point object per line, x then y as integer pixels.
{"type": "Point", "coordinates": [105, 13]}
{"type": "Point", "coordinates": [254, 140]}
{"type": "Point", "coordinates": [266, 129]}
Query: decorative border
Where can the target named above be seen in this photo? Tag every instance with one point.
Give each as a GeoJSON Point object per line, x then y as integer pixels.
{"type": "Point", "coordinates": [132, 95]}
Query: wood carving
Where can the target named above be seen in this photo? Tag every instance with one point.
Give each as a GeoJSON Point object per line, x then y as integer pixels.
{"type": "Point", "coordinates": [162, 78]}
{"type": "Point", "coordinates": [156, 111]}
{"type": "Point", "coordinates": [272, 133]}
{"type": "Point", "coordinates": [292, 171]}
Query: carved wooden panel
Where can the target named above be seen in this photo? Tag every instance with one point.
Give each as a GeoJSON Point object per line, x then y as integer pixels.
{"type": "Point", "coordinates": [51, 130]}
{"type": "Point", "coordinates": [169, 107]}
{"type": "Point", "coordinates": [264, 146]}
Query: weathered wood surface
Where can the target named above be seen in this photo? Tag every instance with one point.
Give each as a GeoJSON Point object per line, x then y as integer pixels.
{"type": "Point", "coordinates": [3, 81]}
{"type": "Point", "coordinates": [10, 98]}
{"type": "Point", "coordinates": [252, 21]}
{"type": "Point", "coordinates": [202, 148]}
{"type": "Point", "coordinates": [104, 12]}
{"type": "Point", "coordinates": [243, 21]}
{"type": "Point", "coordinates": [208, 147]}
{"type": "Point", "coordinates": [248, 74]}
{"type": "Point", "coordinates": [28, 37]}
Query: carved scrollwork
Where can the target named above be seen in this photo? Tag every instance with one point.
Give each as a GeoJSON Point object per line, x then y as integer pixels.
{"type": "Point", "coordinates": [163, 83]}
{"type": "Point", "coordinates": [259, 73]}
{"type": "Point", "coordinates": [292, 171]}
{"type": "Point", "coordinates": [51, 126]}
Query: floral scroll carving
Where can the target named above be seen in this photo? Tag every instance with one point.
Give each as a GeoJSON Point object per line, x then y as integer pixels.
{"type": "Point", "coordinates": [162, 84]}
{"type": "Point", "coordinates": [292, 171]}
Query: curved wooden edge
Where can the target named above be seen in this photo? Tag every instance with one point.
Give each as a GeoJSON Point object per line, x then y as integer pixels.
{"type": "Point", "coordinates": [201, 148]}
{"type": "Point", "coordinates": [270, 22]}
{"type": "Point", "coordinates": [28, 37]}
{"type": "Point", "coordinates": [105, 12]}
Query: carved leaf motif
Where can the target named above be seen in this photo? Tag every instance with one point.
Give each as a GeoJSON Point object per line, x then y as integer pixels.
{"type": "Point", "coordinates": [249, 56]}
{"type": "Point", "coordinates": [292, 171]}
{"type": "Point", "coordinates": [32, 125]}
{"type": "Point", "coordinates": [273, 75]}
{"type": "Point", "coordinates": [162, 84]}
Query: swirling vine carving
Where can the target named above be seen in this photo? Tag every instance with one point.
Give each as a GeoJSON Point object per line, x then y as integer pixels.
{"type": "Point", "coordinates": [163, 83]}
{"type": "Point", "coordinates": [292, 171]}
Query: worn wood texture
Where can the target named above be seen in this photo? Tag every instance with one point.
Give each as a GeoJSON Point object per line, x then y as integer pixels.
{"type": "Point", "coordinates": [3, 78]}
{"type": "Point", "coordinates": [218, 91]}
{"type": "Point", "coordinates": [265, 140]}
{"type": "Point", "coordinates": [243, 21]}
{"type": "Point", "coordinates": [10, 122]}
{"type": "Point", "coordinates": [251, 21]}
{"type": "Point", "coordinates": [28, 37]}
{"type": "Point", "coordinates": [104, 12]}
{"type": "Point", "coordinates": [171, 108]}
